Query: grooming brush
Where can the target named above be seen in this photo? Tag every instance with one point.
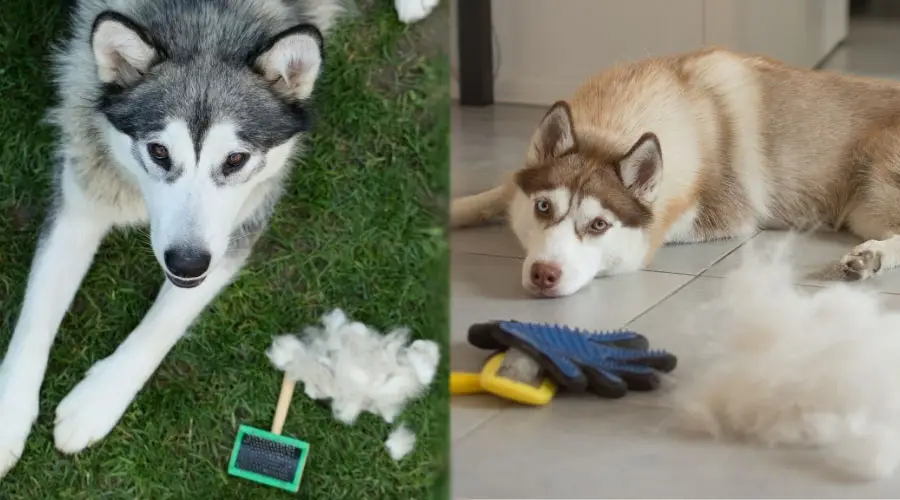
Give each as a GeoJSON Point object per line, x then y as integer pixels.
{"type": "Point", "coordinates": [515, 375]}
{"type": "Point", "coordinates": [269, 457]}
{"type": "Point", "coordinates": [539, 358]}
{"type": "Point", "coordinates": [511, 374]}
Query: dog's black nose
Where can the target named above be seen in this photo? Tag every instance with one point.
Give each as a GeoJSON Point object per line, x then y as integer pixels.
{"type": "Point", "coordinates": [187, 263]}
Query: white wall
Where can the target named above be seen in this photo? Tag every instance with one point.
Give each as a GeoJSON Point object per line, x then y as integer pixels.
{"type": "Point", "coordinates": [835, 23]}
{"type": "Point", "coordinates": [800, 32]}
{"type": "Point", "coordinates": [778, 28]}
{"type": "Point", "coordinates": [545, 49]}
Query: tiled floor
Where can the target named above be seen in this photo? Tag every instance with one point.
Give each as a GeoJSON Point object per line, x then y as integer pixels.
{"type": "Point", "coordinates": [584, 447]}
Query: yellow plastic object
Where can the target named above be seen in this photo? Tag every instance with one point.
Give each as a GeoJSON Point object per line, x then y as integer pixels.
{"type": "Point", "coordinates": [465, 383]}
{"type": "Point", "coordinates": [513, 390]}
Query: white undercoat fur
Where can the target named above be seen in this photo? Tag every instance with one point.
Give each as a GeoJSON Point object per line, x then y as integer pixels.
{"type": "Point", "coordinates": [785, 366]}
{"type": "Point", "coordinates": [357, 368]}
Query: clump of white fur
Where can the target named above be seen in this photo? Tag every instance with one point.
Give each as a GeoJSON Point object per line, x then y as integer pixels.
{"type": "Point", "coordinates": [816, 368]}
{"type": "Point", "coordinates": [400, 442]}
{"type": "Point", "coordinates": [356, 367]}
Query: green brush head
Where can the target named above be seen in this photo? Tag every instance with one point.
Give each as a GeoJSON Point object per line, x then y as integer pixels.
{"type": "Point", "coordinates": [268, 458]}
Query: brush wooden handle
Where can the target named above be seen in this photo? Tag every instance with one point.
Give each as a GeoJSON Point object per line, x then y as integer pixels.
{"type": "Point", "coordinates": [284, 402]}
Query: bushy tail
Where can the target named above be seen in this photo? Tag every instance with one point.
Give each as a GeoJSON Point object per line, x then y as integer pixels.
{"type": "Point", "coordinates": [478, 208]}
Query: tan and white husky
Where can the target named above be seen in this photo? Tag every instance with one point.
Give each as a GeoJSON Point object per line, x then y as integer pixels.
{"type": "Point", "coordinates": [699, 146]}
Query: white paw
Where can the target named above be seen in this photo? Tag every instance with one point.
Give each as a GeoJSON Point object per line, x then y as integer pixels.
{"type": "Point", "coordinates": [91, 410]}
{"type": "Point", "coordinates": [18, 411]}
{"type": "Point", "coordinates": [863, 262]}
{"type": "Point", "coordinates": [410, 11]}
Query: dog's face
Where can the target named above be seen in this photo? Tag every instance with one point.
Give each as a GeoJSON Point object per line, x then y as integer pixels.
{"type": "Point", "coordinates": [582, 210]}
{"type": "Point", "coordinates": [200, 133]}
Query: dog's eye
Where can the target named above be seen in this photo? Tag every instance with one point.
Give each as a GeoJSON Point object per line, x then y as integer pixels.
{"type": "Point", "coordinates": [542, 206]}
{"type": "Point", "coordinates": [159, 154]}
{"type": "Point", "coordinates": [598, 226]}
{"type": "Point", "coordinates": [158, 151]}
{"type": "Point", "coordinates": [234, 162]}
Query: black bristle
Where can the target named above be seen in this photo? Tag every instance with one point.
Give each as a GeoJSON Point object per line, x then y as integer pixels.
{"type": "Point", "coordinates": [271, 459]}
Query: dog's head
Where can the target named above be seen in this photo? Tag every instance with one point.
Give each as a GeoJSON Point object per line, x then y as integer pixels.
{"type": "Point", "coordinates": [582, 210]}
{"type": "Point", "coordinates": [201, 130]}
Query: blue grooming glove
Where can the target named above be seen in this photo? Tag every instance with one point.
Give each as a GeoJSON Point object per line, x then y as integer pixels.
{"type": "Point", "coordinates": [608, 364]}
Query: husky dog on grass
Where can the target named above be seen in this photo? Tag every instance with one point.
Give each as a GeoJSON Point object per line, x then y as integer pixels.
{"type": "Point", "coordinates": [183, 114]}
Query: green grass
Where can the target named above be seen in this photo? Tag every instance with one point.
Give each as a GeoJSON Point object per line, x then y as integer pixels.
{"type": "Point", "coordinates": [361, 227]}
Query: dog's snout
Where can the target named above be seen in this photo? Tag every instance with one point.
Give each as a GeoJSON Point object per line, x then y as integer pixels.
{"type": "Point", "coordinates": [545, 275]}
{"type": "Point", "coordinates": [187, 263]}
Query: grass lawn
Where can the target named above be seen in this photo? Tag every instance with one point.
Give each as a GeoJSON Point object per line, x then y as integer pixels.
{"type": "Point", "coordinates": [361, 228]}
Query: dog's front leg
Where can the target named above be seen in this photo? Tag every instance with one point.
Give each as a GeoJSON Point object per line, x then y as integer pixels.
{"type": "Point", "coordinates": [91, 410]}
{"type": "Point", "coordinates": [64, 254]}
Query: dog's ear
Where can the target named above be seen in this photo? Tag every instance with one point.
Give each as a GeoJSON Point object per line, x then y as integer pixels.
{"type": "Point", "coordinates": [555, 135]}
{"type": "Point", "coordinates": [122, 50]}
{"type": "Point", "coordinates": [292, 61]}
{"type": "Point", "coordinates": [641, 167]}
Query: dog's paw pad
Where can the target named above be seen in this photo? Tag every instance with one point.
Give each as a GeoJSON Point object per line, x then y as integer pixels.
{"type": "Point", "coordinates": [860, 264]}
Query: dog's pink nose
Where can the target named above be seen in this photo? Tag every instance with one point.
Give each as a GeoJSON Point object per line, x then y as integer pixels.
{"type": "Point", "coordinates": [545, 275]}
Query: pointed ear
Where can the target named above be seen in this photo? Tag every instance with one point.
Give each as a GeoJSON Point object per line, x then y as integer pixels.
{"type": "Point", "coordinates": [641, 167]}
{"type": "Point", "coordinates": [292, 61]}
{"type": "Point", "coordinates": [122, 49]}
{"type": "Point", "coordinates": [555, 135]}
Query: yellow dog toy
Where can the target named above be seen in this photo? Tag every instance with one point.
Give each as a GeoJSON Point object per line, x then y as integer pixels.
{"type": "Point", "coordinates": [489, 380]}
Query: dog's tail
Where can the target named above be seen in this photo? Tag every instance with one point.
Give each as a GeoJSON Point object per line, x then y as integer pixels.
{"type": "Point", "coordinates": [478, 208]}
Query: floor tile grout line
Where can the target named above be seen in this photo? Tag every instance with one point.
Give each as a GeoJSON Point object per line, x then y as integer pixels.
{"type": "Point", "coordinates": [478, 426]}
{"type": "Point", "coordinates": [674, 273]}
{"type": "Point", "coordinates": [727, 254]}
{"type": "Point", "coordinates": [660, 301]}
{"type": "Point", "coordinates": [691, 280]}
{"type": "Point", "coordinates": [700, 273]}
{"type": "Point", "coordinates": [481, 254]}
{"type": "Point", "coordinates": [703, 274]}
{"type": "Point", "coordinates": [510, 257]}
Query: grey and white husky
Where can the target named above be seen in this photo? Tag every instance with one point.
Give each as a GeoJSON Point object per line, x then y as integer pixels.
{"type": "Point", "coordinates": [183, 114]}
